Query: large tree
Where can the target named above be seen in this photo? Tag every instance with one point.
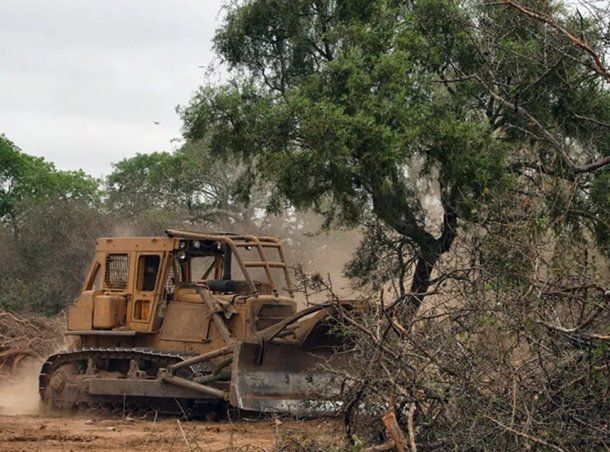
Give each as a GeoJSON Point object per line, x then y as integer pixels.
{"type": "Point", "coordinates": [416, 114]}
{"type": "Point", "coordinates": [189, 184]}
{"type": "Point", "coordinates": [433, 120]}
{"type": "Point", "coordinates": [25, 180]}
{"type": "Point", "coordinates": [49, 220]}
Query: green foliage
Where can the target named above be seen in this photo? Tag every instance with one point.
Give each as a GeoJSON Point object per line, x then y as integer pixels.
{"type": "Point", "coordinates": [340, 101]}
{"type": "Point", "coordinates": [143, 182]}
{"type": "Point", "coordinates": [48, 221]}
{"type": "Point", "coordinates": [27, 179]}
{"type": "Point", "coordinates": [383, 108]}
{"type": "Point", "coordinates": [188, 183]}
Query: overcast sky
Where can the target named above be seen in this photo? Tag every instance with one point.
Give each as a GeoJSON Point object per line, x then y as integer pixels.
{"type": "Point", "coordinates": [82, 82]}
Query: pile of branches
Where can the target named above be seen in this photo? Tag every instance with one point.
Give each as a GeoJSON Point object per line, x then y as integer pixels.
{"type": "Point", "coordinates": [503, 358]}
{"type": "Point", "coordinates": [23, 337]}
{"type": "Point", "coordinates": [509, 349]}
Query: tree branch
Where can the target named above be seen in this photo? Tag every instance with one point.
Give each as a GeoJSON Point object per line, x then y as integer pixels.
{"type": "Point", "coordinates": [600, 68]}
{"type": "Point", "coordinates": [548, 136]}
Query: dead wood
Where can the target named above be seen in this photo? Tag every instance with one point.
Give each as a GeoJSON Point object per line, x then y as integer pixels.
{"type": "Point", "coordinates": [23, 336]}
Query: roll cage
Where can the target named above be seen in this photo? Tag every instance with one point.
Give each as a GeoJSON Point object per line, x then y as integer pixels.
{"type": "Point", "coordinates": [246, 251]}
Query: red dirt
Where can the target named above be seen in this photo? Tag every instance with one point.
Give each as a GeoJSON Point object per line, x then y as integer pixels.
{"type": "Point", "coordinates": [105, 433]}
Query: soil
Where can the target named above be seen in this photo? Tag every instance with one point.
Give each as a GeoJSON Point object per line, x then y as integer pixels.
{"type": "Point", "coordinates": [108, 433]}
{"type": "Point", "coordinates": [25, 427]}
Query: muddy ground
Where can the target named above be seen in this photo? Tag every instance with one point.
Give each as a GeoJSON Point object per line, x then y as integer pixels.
{"type": "Point", "coordinates": [113, 433]}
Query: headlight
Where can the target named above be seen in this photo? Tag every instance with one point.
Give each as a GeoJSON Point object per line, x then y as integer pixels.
{"type": "Point", "coordinates": [197, 244]}
{"type": "Point", "coordinates": [182, 244]}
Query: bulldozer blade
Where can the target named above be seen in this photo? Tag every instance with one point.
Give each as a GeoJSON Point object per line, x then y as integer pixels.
{"type": "Point", "coordinates": [289, 379]}
{"type": "Point", "coordinates": [302, 377]}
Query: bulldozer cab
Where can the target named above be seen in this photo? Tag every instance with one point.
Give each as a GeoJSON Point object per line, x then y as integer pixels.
{"type": "Point", "coordinates": [132, 281]}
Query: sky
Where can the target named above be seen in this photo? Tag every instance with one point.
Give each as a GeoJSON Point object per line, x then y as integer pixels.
{"type": "Point", "coordinates": [83, 83]}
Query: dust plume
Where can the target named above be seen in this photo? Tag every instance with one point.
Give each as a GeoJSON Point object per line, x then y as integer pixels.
{"type": "Point", "coordinates": [19, 391]}
{"type": "Point", "coordinates": [320, 251]}
{"type": "Point", "coordinates": [25, 340]}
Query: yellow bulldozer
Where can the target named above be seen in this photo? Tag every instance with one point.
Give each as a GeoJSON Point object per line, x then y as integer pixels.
{"type": "Point", "coordinates": [194, 321]}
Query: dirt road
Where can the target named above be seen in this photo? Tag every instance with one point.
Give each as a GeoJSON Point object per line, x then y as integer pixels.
{"type": "Point", "coordinates": [107, 433]}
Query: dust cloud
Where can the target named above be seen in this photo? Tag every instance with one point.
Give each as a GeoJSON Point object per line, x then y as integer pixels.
{"type": "Point", "coordinates": [325, 253]}
{"type": "Point", "coordinates": [19, 392]}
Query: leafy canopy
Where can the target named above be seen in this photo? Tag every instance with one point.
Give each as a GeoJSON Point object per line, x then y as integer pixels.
{"type": "Point", "coordinates": [27, 179]}
{"type": "Point", "coordinates": [356, 108]}
{"type": "Point", "coordinates": [190, 182]}
{"type": "Point", "coordinates": [339, 103]}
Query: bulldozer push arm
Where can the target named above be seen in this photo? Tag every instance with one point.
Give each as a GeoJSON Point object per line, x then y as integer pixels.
{"type": "Point", "coordinates": [251, 358]}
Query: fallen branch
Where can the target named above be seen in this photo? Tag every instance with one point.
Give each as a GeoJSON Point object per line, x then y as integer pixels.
{"type": "Point", "coordinates": [27, 336]}
{"type": "Point", "coordinates": [381, 447]}
{"type": "Point", "coordinates": [411, 424]}
{"type": "Point", "coordinates": [525, 435]}
{"type": "Point", "coordinates": [391, 425]}
{"type": "Point", "coordinates": [574, 332]}
{"type": "Point", "coordinates": [188, 446]}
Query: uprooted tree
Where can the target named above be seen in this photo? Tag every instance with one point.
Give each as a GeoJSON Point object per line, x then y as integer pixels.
{"type": "Point", "coordinates": [472, 140]}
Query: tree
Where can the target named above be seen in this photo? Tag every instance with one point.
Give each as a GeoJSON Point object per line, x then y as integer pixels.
{"type": "Point", "coordinates": [399, 110]}
{"type": "Point", "coordinates": [27, 179]}
{"type": "Point", "coordinates": [471, 140]}
{"type": "Point", "coordinates": [49, 220]}
{"type": "Point", "coordinates": [189, 184]}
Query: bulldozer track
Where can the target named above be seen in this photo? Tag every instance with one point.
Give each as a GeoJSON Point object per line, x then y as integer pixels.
{"type": "Point", "coordinates": [159, 359]}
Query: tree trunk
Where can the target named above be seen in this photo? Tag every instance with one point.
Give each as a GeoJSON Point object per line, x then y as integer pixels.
{"type": "Point", "coordinates": [424, 266]}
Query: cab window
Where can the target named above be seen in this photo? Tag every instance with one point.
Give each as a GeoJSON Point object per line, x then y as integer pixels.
{"type": "Point", "coordinates": [203, 267]}
{"type": "Point", "coordinates": [117, 271]}
{"type": "Point", "coordinates": [148, 270]}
